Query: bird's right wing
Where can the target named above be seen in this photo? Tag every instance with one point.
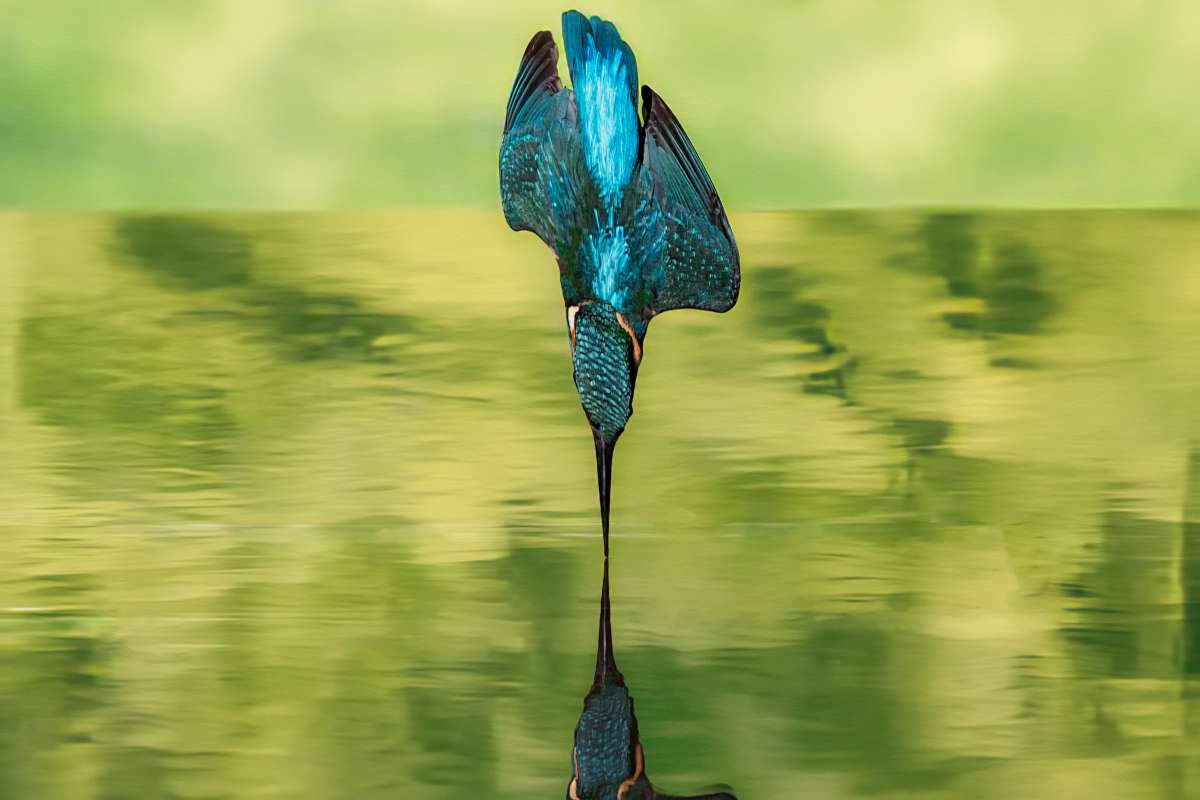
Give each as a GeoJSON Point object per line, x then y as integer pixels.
{"type": "Point", "coordinates": [544, 181]}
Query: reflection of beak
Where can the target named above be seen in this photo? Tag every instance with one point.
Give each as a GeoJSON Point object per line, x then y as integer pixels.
{"type": "Point", "coordinates": [606, 662]}
{"type": "Point", "coordinates": [604, 457]}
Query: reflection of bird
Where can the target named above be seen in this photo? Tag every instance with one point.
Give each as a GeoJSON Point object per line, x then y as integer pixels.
{"type": "Point", "coordinates": [607, 759]}
{"type": "Point", "coordinates": [626, 206]}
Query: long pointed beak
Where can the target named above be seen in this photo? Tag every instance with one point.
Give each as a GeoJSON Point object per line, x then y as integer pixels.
{"type": "Point", "coordinates": [604, 458]}
{"type": "Point", "coordinates": [606, 662]}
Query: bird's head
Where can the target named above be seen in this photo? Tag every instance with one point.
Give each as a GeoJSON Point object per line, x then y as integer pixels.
{"type": "Point", "coordinates": [607, 757]}
{"type": "Point", "coordinates": [606, 352]}
{"type": "Point", "coordinates": [607, 761]}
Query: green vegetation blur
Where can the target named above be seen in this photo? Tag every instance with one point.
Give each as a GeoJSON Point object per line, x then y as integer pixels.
{"type": "Point", "coordinates": [283, 509]}
{"type": "Point", "coordinates": [276, 104]}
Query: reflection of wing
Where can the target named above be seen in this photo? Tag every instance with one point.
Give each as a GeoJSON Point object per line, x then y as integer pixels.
{"type": "Point", "coordinates": [697, 259]}
{"type": "Point", "coordinates": [543, 178]}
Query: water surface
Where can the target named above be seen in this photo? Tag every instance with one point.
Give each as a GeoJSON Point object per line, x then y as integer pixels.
{"type": "Point", "coordinates": [304, 506]}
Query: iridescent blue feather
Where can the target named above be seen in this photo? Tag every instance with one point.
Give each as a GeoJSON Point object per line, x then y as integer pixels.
{"type": "Point", "coordinates": [604, 77]}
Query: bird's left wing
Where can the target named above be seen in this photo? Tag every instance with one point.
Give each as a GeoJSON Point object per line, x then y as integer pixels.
{"type": "Point", "coordinates": [544, 181]}
{"type": "Point", "coordinates": [688, 255]}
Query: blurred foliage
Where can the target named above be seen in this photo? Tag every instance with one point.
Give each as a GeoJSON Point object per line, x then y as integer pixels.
{"type": "Point", "coordinates": [302, 506]}
{"type": "Point", "coordinates": [374, 103]}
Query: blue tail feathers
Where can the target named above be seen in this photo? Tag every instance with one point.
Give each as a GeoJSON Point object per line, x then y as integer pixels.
{"type": "Point", "coordinates": [605, 41]}
{"type": "Point", "coordinates": [604, 77]}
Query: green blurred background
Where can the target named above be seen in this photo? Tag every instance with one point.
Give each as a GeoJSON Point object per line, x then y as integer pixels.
{"type": "Point", "coordinates": [285, 104]}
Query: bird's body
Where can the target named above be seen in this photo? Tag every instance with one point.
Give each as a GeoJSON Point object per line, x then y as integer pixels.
{"type": "Point", "coordinates": [637, 229]}
{"type": "Point", "coordinates": [625, 204]}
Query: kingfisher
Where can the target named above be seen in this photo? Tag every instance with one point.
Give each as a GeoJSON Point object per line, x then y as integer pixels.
{"type": "Point", "coordinates": [607, 761]}
{"type": "Point", "coordinates": [625, 204]}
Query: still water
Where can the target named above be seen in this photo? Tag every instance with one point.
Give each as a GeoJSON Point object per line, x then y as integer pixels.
{"type": "Point", "coordinates": [303, 506]}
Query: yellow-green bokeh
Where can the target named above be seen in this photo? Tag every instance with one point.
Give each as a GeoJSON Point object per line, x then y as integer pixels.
{"type": "Point", "coordinates": [282, 104]}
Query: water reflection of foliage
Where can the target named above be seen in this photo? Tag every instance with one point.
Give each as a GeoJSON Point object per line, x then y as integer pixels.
{"type": "Point", "coordinates": [780, 308]}
{"type": "Point", "coordinates": [1007, 278]}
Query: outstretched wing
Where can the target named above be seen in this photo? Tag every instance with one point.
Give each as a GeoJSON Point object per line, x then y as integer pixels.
{"type": "Point", "coordinates": [694, 261]}
{"type": "Point", "coordinates": [543, 177]}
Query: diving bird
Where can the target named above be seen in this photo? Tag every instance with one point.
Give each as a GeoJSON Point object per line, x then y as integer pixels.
{"type": "Point", "coordinates": [625, 204]}
{"type": "Point", "coordinates": [607, 761]}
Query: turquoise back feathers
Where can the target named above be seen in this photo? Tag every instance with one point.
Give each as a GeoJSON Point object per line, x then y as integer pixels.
{"type": "Point", "coordinates": [604, 76]}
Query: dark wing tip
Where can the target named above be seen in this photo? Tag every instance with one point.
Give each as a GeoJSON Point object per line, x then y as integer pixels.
{"type": "Point", "coordinates": [711, 277]}
{"type": "Point", "coordinates": [663, 127]}
{"type": "Point", "coordinates": [538, 73]}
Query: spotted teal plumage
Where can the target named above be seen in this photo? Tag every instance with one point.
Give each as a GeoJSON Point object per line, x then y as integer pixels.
{"type": "Point", "coordinates": [602, 349]}
{"type": "Point", "coordinates": [625, 204]}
